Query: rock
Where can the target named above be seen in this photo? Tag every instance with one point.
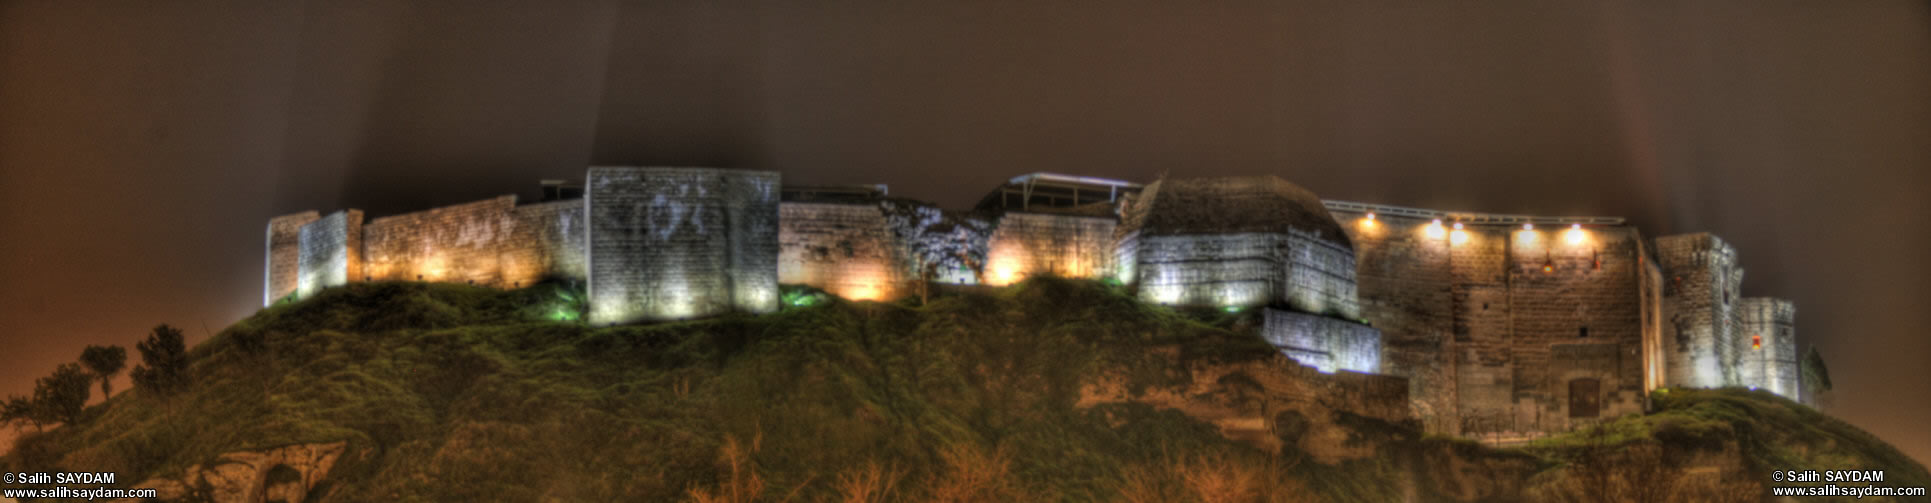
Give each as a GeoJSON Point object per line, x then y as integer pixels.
{"type": "Point", "coordinates": [285, 474]}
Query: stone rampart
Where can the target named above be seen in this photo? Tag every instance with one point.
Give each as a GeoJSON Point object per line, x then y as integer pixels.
{"type": "Point", "coordinates": [845, 249]}
{"type": "Point", "coordinates": [1699, 300]}
{"type": "Point", "coordinates": [677, 243]}
{"type": "Point", "coordinates": [284, 264]}
{"type": "Point", "coordinates": [1769, 350]}
{"type": "Point", "coordinates": [1067, 246]}
{"type": "Point", "coordinates": [1325, 343]}
{"type": "Point", "coordinates": [331, 252]}
{"type": "Point", "coordinates": [1485, 319]}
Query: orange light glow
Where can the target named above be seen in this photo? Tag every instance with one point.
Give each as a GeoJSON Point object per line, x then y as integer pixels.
{"type": "Point", "coordinates": [1548, 268]}
{"type": "Point", "coordinates": [1756, 342]}
{"type": "Point", "coordinates": [862, 292]}
{"type": "Point", "coordinates": [1435, 229]}
{"type": "Point", "coordinates": [1459, 236]}
{"type": "Point", "coordinates": [1575, 235]}
{"type": "Point", "coordinates": [1528, 227]}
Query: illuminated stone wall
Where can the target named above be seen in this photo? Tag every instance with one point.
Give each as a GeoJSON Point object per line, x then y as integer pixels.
{"type": "Point", "coordinates": [1493, 323]}
{"type": "Point", "coordinates": [284, 265]}
{"type": "Point", "coordinates": [1322, 342]}
{"type": "Point", "coordinates": [676, 243]}
{"type": "Point", "coordinates": [460, 244]}
{"type": "Point", "coordinates": [546, 242]}
{"type": "Point", "coordinates": [844, 249]}
{"type": "Point", "coordinates": [1769, 349]}
{"type": "Point", "coordinates": [1067, 246]}
{"type": "Point", "coordinates": [1236, 242]}
{"type": "Point", "coordinates": [331, 252]}
{"type": "Point", "coordinates": [1700, 291]}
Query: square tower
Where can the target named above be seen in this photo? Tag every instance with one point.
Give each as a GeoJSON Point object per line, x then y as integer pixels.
{"type": "Point", "coordinates": [678, 243]}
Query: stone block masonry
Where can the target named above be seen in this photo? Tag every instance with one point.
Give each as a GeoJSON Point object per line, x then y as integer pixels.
{"type": "Point", "coordinates": [491, 243]}
{"type": "Point", "coordinates": [678, 243]}
{"type": "Point", "coordinates": [1502, 328]}
{"type": "Point", "coordinates": [845, 249]}
{"type": "Point", "coordinates": [1769, 340]}
{"type": "Point", "coordinates": [1066, 246]}
{"type": "Point", "coordinates": [284, 266]}
{"type": "Point", "coordinates": [1327, 344]}
{"type": "Point", "coordinates": [1700, 317]}
{"type": "Point", "coordinates": [331, 252]}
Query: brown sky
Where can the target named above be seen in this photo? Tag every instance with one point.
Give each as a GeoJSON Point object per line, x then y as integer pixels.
{"type": "Point", "coordinates": [144, 144]}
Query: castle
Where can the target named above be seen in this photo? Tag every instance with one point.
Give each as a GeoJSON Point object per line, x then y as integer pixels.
{"type": "Point", "coordinates": [1504, 324]}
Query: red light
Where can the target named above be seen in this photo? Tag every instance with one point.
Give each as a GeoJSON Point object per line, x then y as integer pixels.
{"type": "Point", "coordinates": [1756, 342]}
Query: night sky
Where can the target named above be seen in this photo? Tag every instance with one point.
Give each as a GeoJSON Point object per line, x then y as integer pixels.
{"type": "Point", "coordinates": [144, 145]}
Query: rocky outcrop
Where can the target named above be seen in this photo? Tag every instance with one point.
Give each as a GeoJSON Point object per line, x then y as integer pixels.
{"type": "Point", "coordinates": [285, 474]}
{"type": "Point", "coordinates": [1269, 403]}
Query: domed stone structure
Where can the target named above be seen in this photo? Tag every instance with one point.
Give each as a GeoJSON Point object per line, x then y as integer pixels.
{"type": "Point", "coordinates": [1237, 242]}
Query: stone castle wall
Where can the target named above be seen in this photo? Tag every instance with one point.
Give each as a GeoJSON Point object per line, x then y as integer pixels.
{"type": "Point", "coordinates": [844, 249]}
{"type": "Point", "coordinates": [331, 252]}
{"type": "Point", "coordinates": [1700, 317]}
{"type": "Point", "coordinates": [284, 268]}
{"type": "Point", "coordinates": [677, 243]}
{"type": "Point", "coordinates": [492, 243]}
{"type": "Point", "coordinates": [1067, 246]}
{"type": "Point", "coordinates": [1491, 328]}
{"type": "Point", "coordinates": [1236, 242]}
{"type": "Point", "coordinates": [1496, 325]}
{"type": "Point", "coordinates": [1769, 349]}
{"type": "Point", "coordinates": [1325, 343]}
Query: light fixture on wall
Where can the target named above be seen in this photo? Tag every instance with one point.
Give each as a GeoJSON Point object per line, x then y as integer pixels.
{"type": "Point", "coordinates": [1435, 229]}
{"type": "Point", "coordinates": [1574, 234]}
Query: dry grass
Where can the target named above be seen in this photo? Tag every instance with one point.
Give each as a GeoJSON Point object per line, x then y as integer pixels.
{"type": "Point", "coordinates": [871, 484]}
{"type": "Point", "coordinates": [972, 475]}
{"type": "Point", "coordinates": [1212, 478]}
{"type": "Point", "coordinates": [741, 484]}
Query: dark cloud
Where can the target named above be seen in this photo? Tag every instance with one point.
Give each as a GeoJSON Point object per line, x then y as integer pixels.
{"type": "Point", "coordinates": [143, 145]}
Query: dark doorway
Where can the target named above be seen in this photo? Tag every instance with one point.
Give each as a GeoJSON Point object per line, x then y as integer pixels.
{"type": "Point", "coordinates": [1585, 398]}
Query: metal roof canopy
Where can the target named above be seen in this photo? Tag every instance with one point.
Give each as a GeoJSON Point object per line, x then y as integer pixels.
{"type": "Point", "coordinates": [1465, 217]}
{"type": "Point", "coordinates": [1057, 186]}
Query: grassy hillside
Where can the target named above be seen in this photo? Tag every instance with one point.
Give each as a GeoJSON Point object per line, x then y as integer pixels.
{"type": "Point", "coordinates": [449, 392]}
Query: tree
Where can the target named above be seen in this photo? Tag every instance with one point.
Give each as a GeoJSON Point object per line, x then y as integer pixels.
{"type": "Point", "coordinates": [105, 362]}
{"type": "Point", "coordinates": [164, 362]}
{"type": "Point", "coordinates": [21, 410]}
{"type": "Point", "coordinates": [63, 396]}
{"type": "Point", "coordinates": [1816, 378]}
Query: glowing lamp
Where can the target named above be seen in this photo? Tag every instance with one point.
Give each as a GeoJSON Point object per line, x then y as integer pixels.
{"type": "Point", "coordinates": [1548, 268]}
{"type": "Point", "coordinates": [1528, 227]}
{"type": "Point", "coordinates": [1370, 216]}
{"type": "Point", "coordinates": [1574, 234]}
{"type": "Point", "coordinates": [1458, 226]}
{"type": "Point", "coordinates": [1756, 342]}
{"type": "Point", "coordinates": [1459, 236]}
{"type": "Point", "coordinates": [1435, 229]}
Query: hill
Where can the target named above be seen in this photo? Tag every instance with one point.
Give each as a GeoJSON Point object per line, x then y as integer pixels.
{"type": "Point", "coordinates": [1048, 390]}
